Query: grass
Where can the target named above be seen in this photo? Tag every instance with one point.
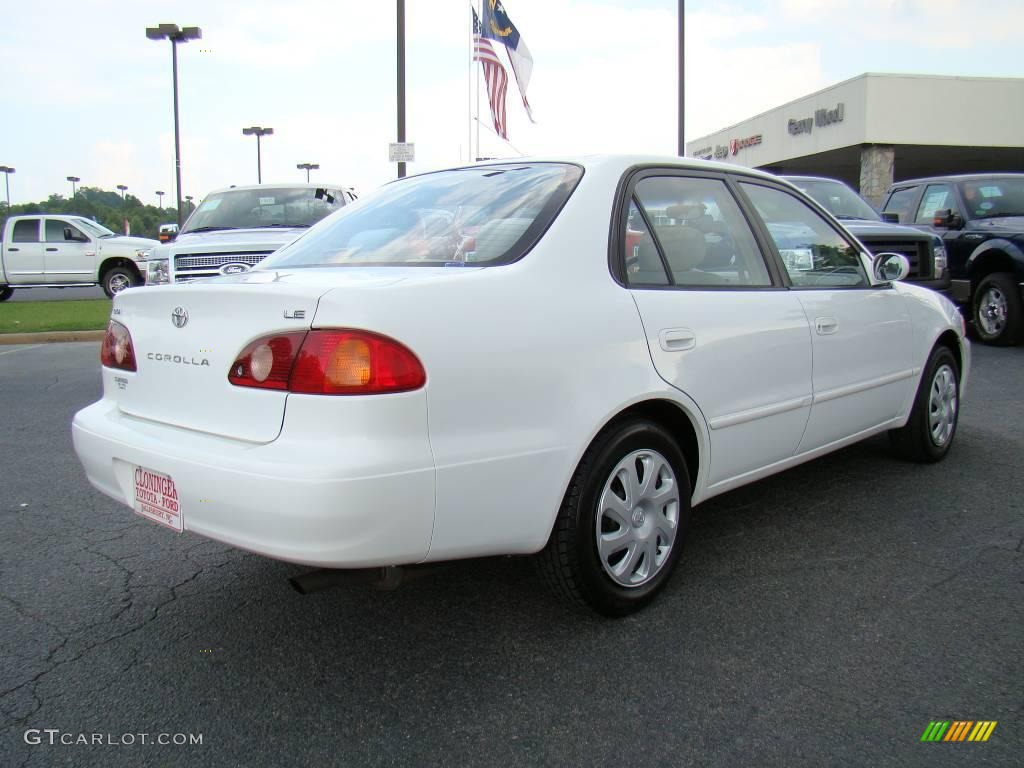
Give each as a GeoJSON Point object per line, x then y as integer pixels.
{"type": "Point", "coordinates": [36, 316]}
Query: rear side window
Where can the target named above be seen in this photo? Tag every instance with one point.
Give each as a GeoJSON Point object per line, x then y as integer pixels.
{"type": "Point", "coordinates": [899, 202]}
{"type": "Point", "coordinates": [484, 216]}
{"type": "Point", "coordinates": [936, 197]}
{"type": "Point", "coordinates": [814, 254]}
{"type": "Point", "coordinates": [698, 229]}
{"type": "Point", "coordinates": [26, 231]}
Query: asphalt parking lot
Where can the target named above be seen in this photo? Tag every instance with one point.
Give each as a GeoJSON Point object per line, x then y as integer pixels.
{"type": "Point", "coordinates": [821, 617]}
{"type": "Point", "coordinates": [58, 294]}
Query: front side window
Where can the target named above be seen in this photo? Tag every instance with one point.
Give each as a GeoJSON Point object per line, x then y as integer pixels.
{"type": "Point", "coordinates": [26, 231]}
{"type": "Point", "coordinates": [936, 197]}
{"type": "Point", "coordinates": [484, 215]}
{"type": "Point", "coordinates": [55, 231]}
{"type": "Point", "coordinates": [814, 254]}
{"type": "Point", "coordinates": [837, 198]}
{"type": "Point", "coordinates": [899, 202]}
{"type": "Point", "coordinates": [700, 231]}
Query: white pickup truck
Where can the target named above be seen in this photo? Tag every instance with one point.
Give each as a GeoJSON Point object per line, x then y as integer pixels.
{"type": "Point", "coordinates": [234, 229]}
{"type": "Point", "coordinates": [58, 251]}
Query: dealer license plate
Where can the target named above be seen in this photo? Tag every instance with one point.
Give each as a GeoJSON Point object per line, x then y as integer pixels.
{"type": "Point", "coordinates": [156, 498]}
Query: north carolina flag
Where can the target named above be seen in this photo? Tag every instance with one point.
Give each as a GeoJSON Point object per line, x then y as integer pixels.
{"type": "Point", "coordinates": [498, 27]}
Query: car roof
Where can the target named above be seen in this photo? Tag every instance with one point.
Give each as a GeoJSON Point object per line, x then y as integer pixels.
{"type": "Point", "coordinates": [622, 163]}
{"type": "Point", "coordinates": [956, 178]}
{"type": "Point", "coordinates": [791, 177]}
{"type": "Point", "coordinates": [282, 185]}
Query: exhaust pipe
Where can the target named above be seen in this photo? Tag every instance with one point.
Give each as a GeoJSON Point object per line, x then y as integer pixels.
{"type": "Point", "coordinates": [386, 579]}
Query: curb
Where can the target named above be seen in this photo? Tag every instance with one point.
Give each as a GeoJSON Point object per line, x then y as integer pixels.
{"type": "Point", "coordinates": [50, 337]}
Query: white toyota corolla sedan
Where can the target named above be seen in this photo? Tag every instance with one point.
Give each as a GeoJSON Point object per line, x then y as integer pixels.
{"type": "Point", "coordinates": [541, 356]}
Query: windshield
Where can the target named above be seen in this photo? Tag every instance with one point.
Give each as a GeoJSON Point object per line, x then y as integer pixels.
{"type": "Point", "coordinates": [264, 207]}
{"type": "Point", "coordinates": [837, 198]}
{"type": "Point", "coordinates": [94, 229]}
{"type": "Point", "coordinates": [988, 199]}
{"type": "Point", "coordinates": [482, 215]}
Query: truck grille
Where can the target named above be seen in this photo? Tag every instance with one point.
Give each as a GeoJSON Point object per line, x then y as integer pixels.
{"type": "Point", "coordinates": [917, 253]}
{"type": "Point", "coordinates": [193, 266]}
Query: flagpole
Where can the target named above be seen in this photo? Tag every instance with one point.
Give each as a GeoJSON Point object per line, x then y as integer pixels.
{"type": "Point", "coordinates": [475, 156]}
{"type": "Point", "coordinates": [469, 95]}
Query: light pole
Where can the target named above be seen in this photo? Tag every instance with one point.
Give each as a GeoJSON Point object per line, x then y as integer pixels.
{"type": "Point", "coordinates": [74, 191]}
{"type": "Point", "coordinates": [176, 35]}
{"type": "Point", "coordinates": [160, 198]}
{"type": "Point", "coordinates": [682, 61]}
{"type": "Point", "coordinates": [307, 167]}
{"type": "Point", "coordinates": [400, 10]}
{"type": "Point", "coordinates": [258, 132]}
{"type": "Point", "coordinates": [6, 170]}
{"type": "Point", "coordinates": [123, 189]}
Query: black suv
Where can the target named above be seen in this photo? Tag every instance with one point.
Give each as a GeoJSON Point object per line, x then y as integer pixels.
{"type": "Point", "coordinates": [923, 250]}
{"type": "Point", "coordinates": [981, 220]}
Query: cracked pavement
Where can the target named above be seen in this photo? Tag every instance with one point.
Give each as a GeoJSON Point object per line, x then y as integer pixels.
{"type": "Point", "coordinates": [820, 617]}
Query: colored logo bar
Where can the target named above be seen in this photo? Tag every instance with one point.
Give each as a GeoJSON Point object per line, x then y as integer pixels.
{"type": "Point", "coordinates": [958, 730]}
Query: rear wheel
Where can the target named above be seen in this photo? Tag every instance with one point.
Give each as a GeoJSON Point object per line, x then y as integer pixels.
{"type": "Point", "coordinates": [117, 279]}
{"type": "Point", "coordinates": [929, 431]}
{"type": "Point", "coordinates": [6, 292]}
{"type": "Point", "coordinates": [623, 522]}
{"type": "Point", "coordinates": [997, 313]}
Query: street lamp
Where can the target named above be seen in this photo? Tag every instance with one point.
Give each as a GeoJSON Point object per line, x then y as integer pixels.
{"type": "Point", "coordinates": [123, 189]}
{"type": "Point", "coordinates": [176, 35]}
{"type": "Point", "coordinates": [74, 180]}
{"type": "Point", "coordinates": [6, 170]}
{"type": "Point", "coordinates": [160, 197]}
{"type": "Point", "coordinates": [258, 132]}
{"type": "Point", "coordinates": [307, 167]}
{"type": "Point", "coordinates": [188, 198]}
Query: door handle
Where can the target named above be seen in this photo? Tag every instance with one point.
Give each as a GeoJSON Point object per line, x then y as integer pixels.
{"type": "Point", "coordinates": [826, 326]}
{"type": "Point", "coordinates": [51, 249]}
{"type": "Point", "coordinates": [677, 339]}
{"type": "Point", "coordinates": [12, 250]}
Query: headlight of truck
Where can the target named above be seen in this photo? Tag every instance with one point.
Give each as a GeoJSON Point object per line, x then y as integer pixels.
{"type": "Point", "coordinates": [156, 272]}
{"type": "Point", "coordinates": [939, 259]}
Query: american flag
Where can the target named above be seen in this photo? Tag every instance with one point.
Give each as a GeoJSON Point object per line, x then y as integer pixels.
{"type": "Point", "coordinates": [494, 75]}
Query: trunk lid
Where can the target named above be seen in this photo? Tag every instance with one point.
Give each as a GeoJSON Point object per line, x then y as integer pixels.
{"type": "Point", "coordinates": [187, 336]}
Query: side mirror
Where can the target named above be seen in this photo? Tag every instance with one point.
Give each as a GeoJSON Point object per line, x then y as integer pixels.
{"type": "Point", "coordinates": [70, 235]}
{"type": "Point", "coordinates": [947, 219]}
{"type": "Point", "coordinates": [890, 217]}
{"type": "Point", "coordinates": [888, 267]}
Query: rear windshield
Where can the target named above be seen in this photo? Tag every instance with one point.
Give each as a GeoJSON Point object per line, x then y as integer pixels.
{"type": "Point", "coordinates": [264, 207]}
{"type": "Point", "coordinates": [484, 215]}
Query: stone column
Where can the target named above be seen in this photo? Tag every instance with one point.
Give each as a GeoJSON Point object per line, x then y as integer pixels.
{"type": "Point", "coordinates": [876, 164]}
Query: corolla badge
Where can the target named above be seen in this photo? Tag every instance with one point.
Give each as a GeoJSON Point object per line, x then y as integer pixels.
{"type": "Point", "coordinates": [234, 268]}
{"type": "Point", "coordinates": [179, 316]}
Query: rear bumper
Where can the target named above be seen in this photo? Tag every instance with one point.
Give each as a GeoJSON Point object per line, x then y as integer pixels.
{"type": "Point", "coordinates": [319, 495]}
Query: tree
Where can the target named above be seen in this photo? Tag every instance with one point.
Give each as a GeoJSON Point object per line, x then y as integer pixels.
{"type": "Point", "coordinates": [103, 206]}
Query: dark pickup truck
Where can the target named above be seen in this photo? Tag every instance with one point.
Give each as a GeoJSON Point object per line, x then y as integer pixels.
{"type": "Point", "coordinates": [980, 218]}
{"type": "Point", "coordinates": [924, 251]}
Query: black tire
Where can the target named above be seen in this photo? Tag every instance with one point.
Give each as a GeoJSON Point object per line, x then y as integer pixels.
{"type": "Point", "coordinates": [117, 279]}
{"type": "Point", "coordinates": [996, 310]}
{"type": "Point", "coordinates": [6, 292]}
{"type": "Point", "coordinates": [921, 439]}
{"type": "Point", "coordinates": [571, 562]}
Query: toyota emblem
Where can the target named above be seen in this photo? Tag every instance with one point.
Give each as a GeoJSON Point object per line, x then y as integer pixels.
{"type": "Point", "coordinates": [179, 317]}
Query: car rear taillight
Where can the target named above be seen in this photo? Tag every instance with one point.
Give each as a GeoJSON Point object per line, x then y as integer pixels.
{"type": "Point", "coordinates": [266, 363]}
{"type": "Point", "coordinates": [329, 362]}
{"type": "Point", "coordinates": [117, 350]}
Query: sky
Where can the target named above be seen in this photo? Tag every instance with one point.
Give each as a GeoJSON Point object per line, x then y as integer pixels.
{"type": "Point", "coordinates": [85, 93]}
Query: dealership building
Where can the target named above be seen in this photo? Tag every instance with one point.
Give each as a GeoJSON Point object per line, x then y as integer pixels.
{"type": "Point", "coordinates": [875, 129]}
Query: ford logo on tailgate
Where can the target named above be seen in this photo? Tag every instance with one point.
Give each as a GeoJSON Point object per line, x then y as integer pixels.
{"type": "Point", "coordinates": [234, 268]}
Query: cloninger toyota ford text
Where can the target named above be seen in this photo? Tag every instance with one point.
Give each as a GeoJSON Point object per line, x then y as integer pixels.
{"type": "Point", "coordinates": [558, 357]}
